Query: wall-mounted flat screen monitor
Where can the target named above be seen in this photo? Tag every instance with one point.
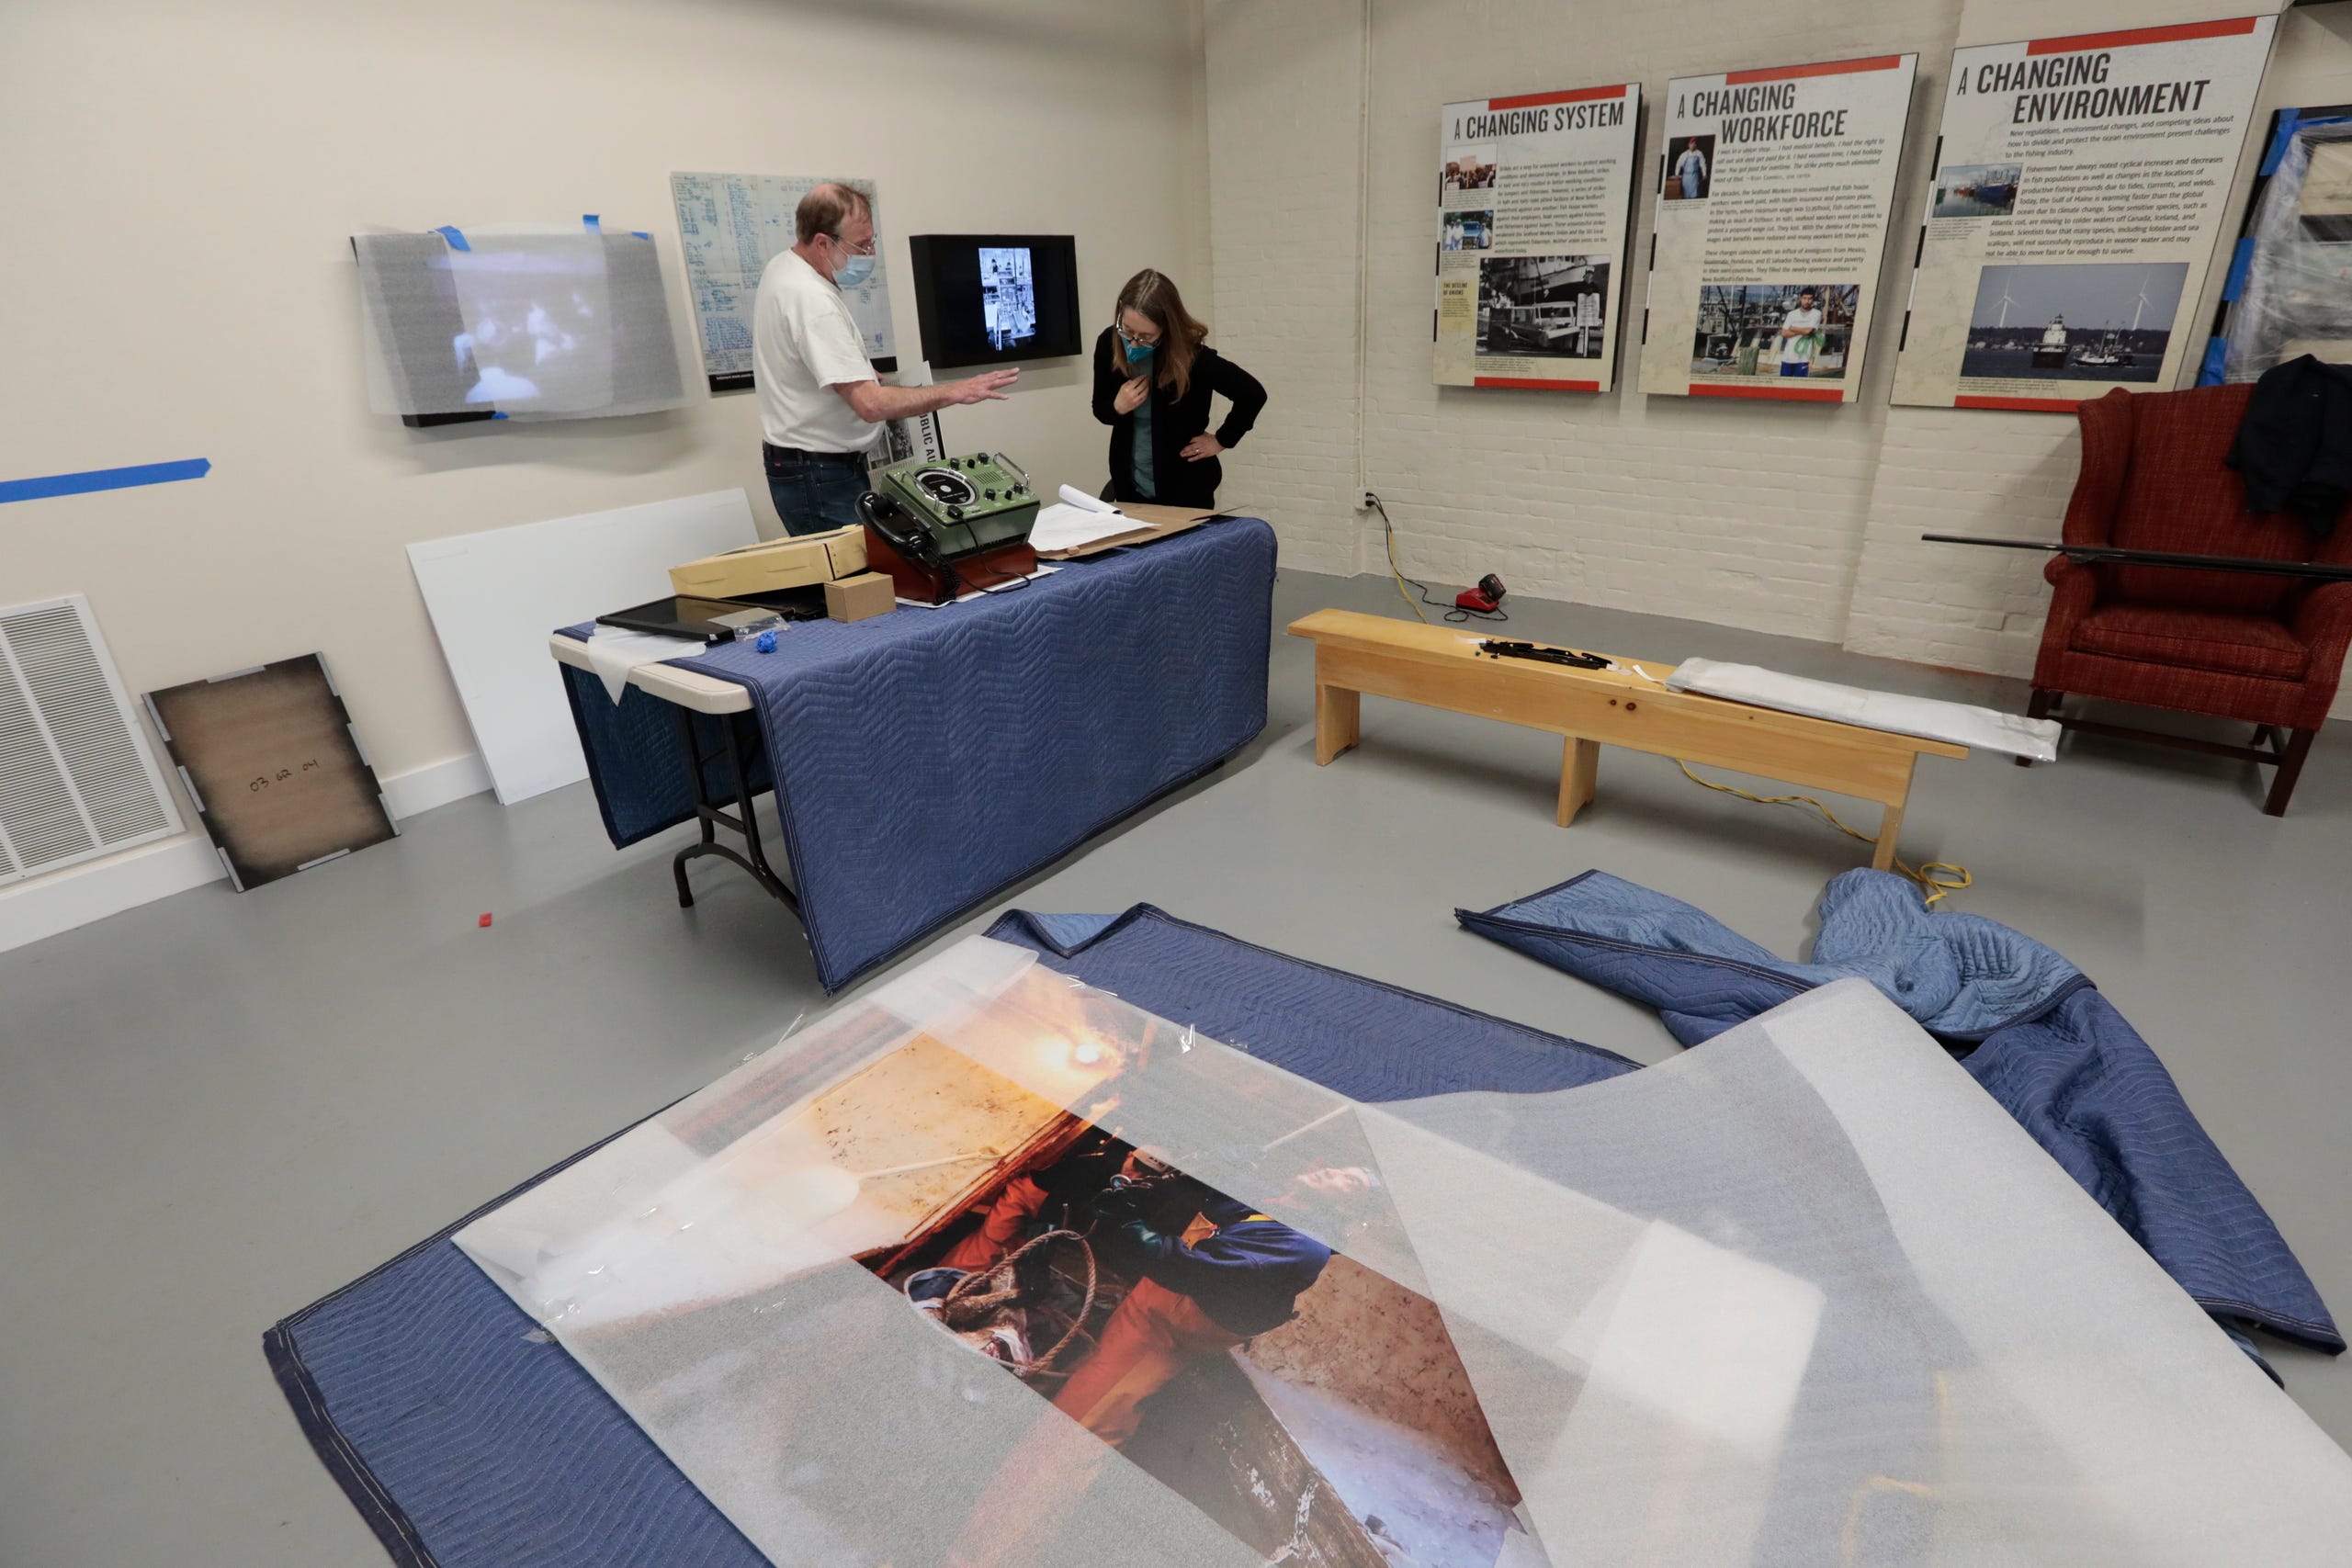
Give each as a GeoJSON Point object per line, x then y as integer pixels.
{"type": "Point", "coordinates": [986, 299]}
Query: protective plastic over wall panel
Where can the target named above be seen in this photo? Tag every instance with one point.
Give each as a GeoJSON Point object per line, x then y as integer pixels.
{"type": "Point", "coordinates": [536, 322]}
{"type": "Point", "coordinates": [990, 1267]}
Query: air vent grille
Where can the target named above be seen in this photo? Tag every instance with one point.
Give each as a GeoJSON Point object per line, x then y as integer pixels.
{"type": "Point", "coordinates": [77, 777]}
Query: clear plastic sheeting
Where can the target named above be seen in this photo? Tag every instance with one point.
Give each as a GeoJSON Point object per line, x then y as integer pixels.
{"type": "Point", "coordinates": [528, 322]}
{"type": "Point", "coordinates": [1801, 1294]}
{"type": "Point", "coordinates": [1960, 723]}
{"type": "Point", "coordinates": [2297, 297]}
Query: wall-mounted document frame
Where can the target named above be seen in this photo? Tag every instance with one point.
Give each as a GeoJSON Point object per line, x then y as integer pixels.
{"type": "Point", "coordinates": [1534, 205]}
{"type": "Point", "coordinates": [731, 225]}
{"type": "Point", "coordinates": [2078, 190]}
{"type": "Point", "coordinates": [1775, 190]}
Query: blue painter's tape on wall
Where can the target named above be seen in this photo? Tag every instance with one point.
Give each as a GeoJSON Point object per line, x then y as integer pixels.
{"type": "Point", "coordinates": [2217, 352]}
{"type": "Point", "coordinates": [594, 225]}
{"type": "Point", "coordinates": [457, 240]}
{"type": "Point", "coordinates": [498, 413]}
{"type": "Point", "coordinates": [103, 479]}
{"type": "Point", "coordinates": [2277, 148]}
{"type": "Point", "coordinates": [641, 234]}
{"type": "Point", "coordinates": [2241, 262]}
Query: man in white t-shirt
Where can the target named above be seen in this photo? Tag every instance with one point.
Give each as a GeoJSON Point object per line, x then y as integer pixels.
{"type": "Point", "coordinates": [1800, 330]}
{"type": "Point", "coordinates": [820, 406]}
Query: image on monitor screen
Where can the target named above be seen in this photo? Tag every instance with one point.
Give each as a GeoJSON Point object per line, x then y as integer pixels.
{"type": "Point", "coordinates": [988, 299]}
{"type": "Point", "coordinates": [1008, 296]}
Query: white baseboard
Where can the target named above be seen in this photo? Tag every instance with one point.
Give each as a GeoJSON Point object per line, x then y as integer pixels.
{"type": "Point", "coordinates": [79, 894]}
{"type": "Point", "coordinates": [435, 783]}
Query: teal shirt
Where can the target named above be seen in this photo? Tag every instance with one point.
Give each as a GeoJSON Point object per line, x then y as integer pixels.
{"type": "Point", "coordinates": [1142, 417]}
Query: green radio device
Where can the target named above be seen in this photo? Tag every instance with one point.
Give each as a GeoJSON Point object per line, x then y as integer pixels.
{"type": "Point", "coordinates": [943, 528]}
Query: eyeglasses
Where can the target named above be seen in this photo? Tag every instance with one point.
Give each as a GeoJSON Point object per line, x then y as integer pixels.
{"type": "Point", "coordinates": [864, 250]}
{"type": "Point", "coordinates": [1138, 338]}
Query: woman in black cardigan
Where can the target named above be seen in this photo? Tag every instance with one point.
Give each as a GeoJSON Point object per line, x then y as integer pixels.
{"type": "Point", "coordinates": [1153, 380]}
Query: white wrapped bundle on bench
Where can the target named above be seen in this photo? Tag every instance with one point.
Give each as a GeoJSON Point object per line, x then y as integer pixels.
{"type": "Point", "coordinates": [1957, 722]}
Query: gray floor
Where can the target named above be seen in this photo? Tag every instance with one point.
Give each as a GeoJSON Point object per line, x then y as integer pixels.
{"type": "Point", "coordinates": [218, 1108]}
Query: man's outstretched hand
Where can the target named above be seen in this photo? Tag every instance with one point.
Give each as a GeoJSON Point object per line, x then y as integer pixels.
{"type": "Point", "coordinates": [987, 386]}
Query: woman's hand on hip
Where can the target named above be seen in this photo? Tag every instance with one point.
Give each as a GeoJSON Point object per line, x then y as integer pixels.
{"type": "Point", "coordinates": [1132, 394]}
{"type": "Point", "coordinates": [1201, 447]}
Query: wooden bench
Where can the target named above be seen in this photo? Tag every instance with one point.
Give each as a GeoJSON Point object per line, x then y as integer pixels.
{"type": "Point", "coordinates": [1441, 667]}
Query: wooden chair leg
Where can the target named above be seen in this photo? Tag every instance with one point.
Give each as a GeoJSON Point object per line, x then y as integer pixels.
{"type": "Point", "coordinates": [2290, 768]}
{"type": "Point", "coordinates": [2039, 705]}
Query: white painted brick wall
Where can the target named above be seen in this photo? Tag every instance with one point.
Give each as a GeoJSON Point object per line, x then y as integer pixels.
{"type": "Point", "coordinates": [1795, 519]}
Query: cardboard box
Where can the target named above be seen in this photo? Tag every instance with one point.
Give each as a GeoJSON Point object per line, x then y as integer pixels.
{"type": "Point", "coordinates": [773, 565]}
{"type": "Point", "coordinates": [861, 597]}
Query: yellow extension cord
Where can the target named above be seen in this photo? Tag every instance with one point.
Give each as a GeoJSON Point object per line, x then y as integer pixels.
{"type": "Point", "coordinates": [1955, 877]}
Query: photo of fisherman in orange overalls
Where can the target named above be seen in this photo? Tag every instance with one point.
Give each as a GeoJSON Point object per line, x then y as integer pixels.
{"type": "Point", "coordinates": [1219, 1274]}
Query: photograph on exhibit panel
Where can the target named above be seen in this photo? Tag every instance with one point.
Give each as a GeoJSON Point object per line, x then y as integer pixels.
{"type": "Point", "coordinates": [1976, 190]}
{"type": "Point", "coordinates": [2074, 322]}
{"type": "Point", "coordinates": [1467, 228]}
{"type": "Point", "coordinates": [1542, 307]}
{"type": "Point", "coordinates": [1688, 163]}
{"type": "Point", "coordinates": [1468, 168]}
{"type": "Point", "coordinates": [1793, 330]}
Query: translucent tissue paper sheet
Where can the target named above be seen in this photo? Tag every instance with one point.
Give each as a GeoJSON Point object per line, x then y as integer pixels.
{"type": "Point", "coordinates": [531, 322]}
{"type": "Point", "coordinates": [1800, 1295]}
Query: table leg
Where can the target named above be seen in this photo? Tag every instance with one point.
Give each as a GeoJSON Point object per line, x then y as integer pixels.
{"type": "Point", "coordinates": [1579, 776]}
{"type": "Point", "coordinates": [1338, 721]}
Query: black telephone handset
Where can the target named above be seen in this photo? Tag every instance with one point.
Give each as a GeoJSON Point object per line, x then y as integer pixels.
{"type": "Point", "coordinates": [887, 517]}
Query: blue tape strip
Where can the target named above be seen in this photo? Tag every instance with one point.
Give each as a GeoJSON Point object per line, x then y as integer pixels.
{"type": "Point", "coordinates": [457, 240]}
{"type": "Point", "coordinates": [641, 234]}
{"type": "Point", "coordinates": [2241, 262]}
{"type": "Point", "coordinates": [594, 225]}
{"type": "Point", "coordinates": [103, 479]}
{"type": "Point", "coordinates": [2217, 354]}
{"type": "Point", "coordinates": [2277, 148]}
{"type": "Point", "coordinates": [498, 413]}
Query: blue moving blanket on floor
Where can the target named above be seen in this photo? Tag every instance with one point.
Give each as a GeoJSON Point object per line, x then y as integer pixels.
{"type": "Point", "coordinates": [925, 759]}
{"type": "Point", "coordinates": [2038, 1034]}
{"type": "Point", "coordinates": [468, 1438]}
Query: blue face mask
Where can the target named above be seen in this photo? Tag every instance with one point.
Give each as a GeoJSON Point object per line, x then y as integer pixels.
{"type": "Point", "coordinates": [852, 271]}
{"type": "Point", "coordinates": [1136, 352]}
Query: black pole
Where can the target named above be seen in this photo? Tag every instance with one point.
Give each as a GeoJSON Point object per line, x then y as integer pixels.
{"type": "Point", "coordinates": [2317, 571]}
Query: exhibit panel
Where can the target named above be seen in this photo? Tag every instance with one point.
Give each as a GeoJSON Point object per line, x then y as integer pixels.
{"type": "Point", "coordinates": [1774, 191]}
{"type": "Point", "coordinates": [2080, 183]}
{"type": "Point", "coordinates": [1534, 195]}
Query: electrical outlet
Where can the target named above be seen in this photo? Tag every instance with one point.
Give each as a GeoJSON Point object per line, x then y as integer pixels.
{"type": "Point", "coordinates": [1369, 501]}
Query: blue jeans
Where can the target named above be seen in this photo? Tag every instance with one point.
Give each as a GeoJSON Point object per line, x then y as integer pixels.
{"type": "Point", "coordinates": [814, 495]}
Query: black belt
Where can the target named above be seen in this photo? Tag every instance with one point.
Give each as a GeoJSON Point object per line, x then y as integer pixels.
{"type": "Point", "coordinates": [774, 451]}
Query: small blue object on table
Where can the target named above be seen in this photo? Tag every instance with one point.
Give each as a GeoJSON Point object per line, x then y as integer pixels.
{"type": "Point", "coordinates": [924, 761]}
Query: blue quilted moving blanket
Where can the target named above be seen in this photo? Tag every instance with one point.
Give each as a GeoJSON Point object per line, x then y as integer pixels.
{"type": "Point", "coordinates": [924, 761]}
{"type": "Point", "coordinates": [2027, 1024]}
{"type": "Point", "coordinates": [468, 1438]}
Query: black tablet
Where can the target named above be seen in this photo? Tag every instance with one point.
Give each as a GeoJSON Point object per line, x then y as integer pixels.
{"type": "Point", "coordinates": [685, 615]}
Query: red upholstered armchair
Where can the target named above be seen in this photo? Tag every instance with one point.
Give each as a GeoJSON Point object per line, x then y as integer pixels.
{"type": "Point", "coordinates": [2268, 650]}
